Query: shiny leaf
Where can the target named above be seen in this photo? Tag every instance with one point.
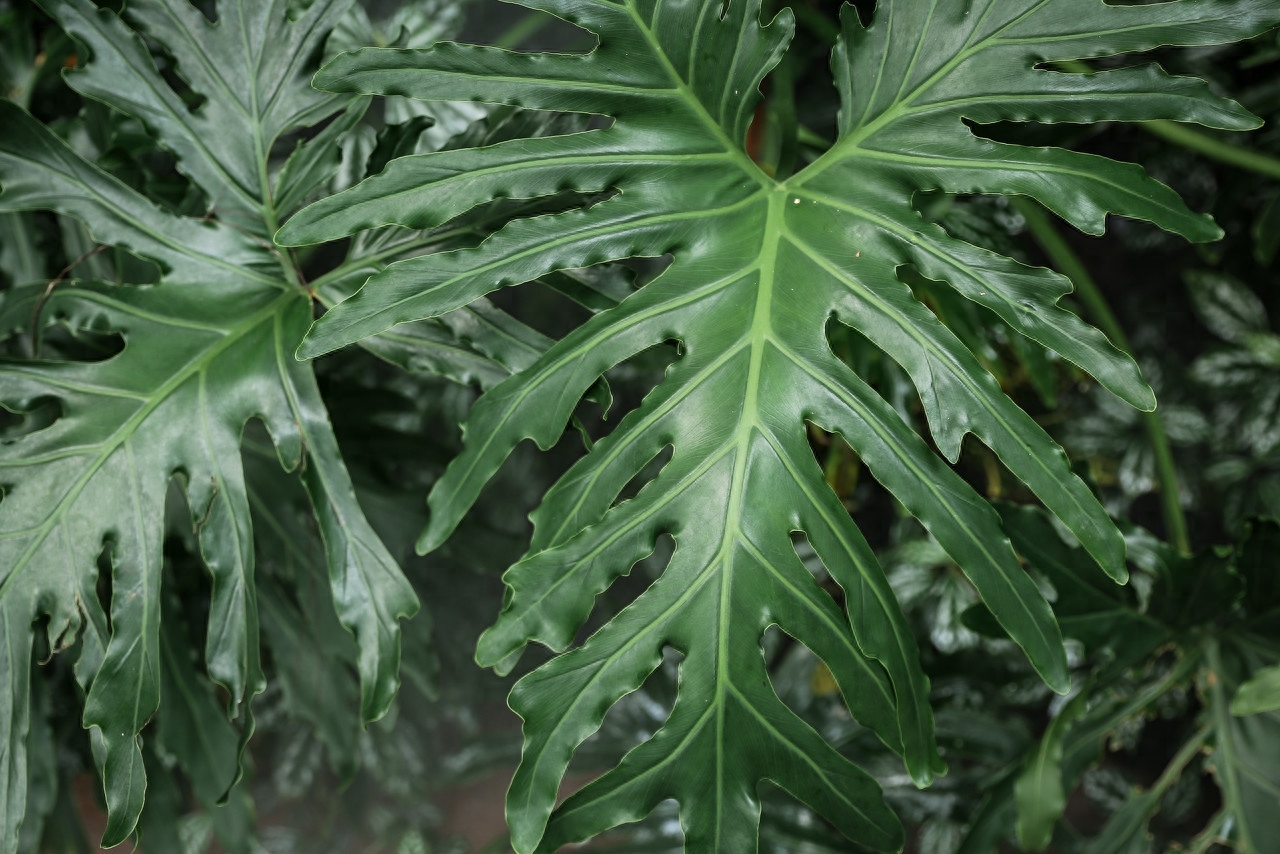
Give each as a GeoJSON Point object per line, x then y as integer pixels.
{"type": "Point", "coordinates": [205, 351]}
{"type": "Point", "coordinates": [760, 266]}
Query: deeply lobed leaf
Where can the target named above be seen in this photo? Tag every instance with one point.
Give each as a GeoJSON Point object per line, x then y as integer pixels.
{"type": "Point", "coordinates": [205, 350]}
{"type": "Point", "coordinates": [759, 267]}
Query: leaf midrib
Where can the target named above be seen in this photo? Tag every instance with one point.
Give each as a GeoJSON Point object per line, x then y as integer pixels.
{"type": "Point", "coordinates": [126, 430]}
{"type": "Point", "coordinates": [749, 167]}
{"type": "Point", "coordinates": [965, 377]}
{"type": "Point", "coordinates": [900, 107]}
{"type": "Point", "coordinates": [923, 478]}
{"type": "Point", "coordinates": [748, 425]}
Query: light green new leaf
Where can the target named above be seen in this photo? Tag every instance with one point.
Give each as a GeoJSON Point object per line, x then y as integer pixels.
{"type": "Point", "coordinates": [1038, 792]}
{"type": "Point", "coordinates": [1260, 694]}
{"type": "Point", "coordinates": [205, 351]}
{"type": "Point", "coordinates": [759, 267]}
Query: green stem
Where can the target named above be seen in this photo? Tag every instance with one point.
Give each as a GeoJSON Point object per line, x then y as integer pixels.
{"type": "Point", "coordinates": [1069, 264]}
{"type": "Point", "coordinates": [818, 23]}
{"type": "Point", "coordinates": [782, 109]}
{"type": "Point", "coordinates": [1209, 146]}
{"type": "Point", "coordinates": [1226, 746]}
{"type": "Point", "coordinates": [1180, 761]}
{"type": "Point", "coordinates": [522, 30]}
{"type": "Point", "coordinates": [812, 138]}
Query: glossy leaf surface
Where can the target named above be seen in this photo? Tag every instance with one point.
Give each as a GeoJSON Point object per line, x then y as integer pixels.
{"type": "Point", "coordinates": [205, 350]}
{"type": "Point", "coordinates": [759, 267]}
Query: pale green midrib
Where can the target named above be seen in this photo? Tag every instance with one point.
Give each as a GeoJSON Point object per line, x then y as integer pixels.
{"type": "Point", "coordinates": [965, 377]}
{"type": "Point", "coordinates": [253, 118]}
{"type": "Point", "coordinates": [53, 381]}
{"type": "Point", "coordinates": [745, 163]}
{"type": "Point", "coordinates": [961, 163]}
{"type": "Point", "coordinates": [722, 108]}
{"type": "Point", "coordinates": [1041, 98]}
{"type": "Point", "coordinates": [307, 44]}
{"type": "Point", "coordinates": [410, 341]}
{"type": "Point", "coordinates": [636, 431]}
{"type": "Point", "coordinates": [921, 477]}
{"type": "Point", "coordinates": [927, 244]}
{"type": "Point", "coordinates": [567, 82]}
{"type": "Point", "coordinates": [386, 621]}
{"type": "Point", "coordinates": [1050, 39]}
{"type": "Point", "coordinates": [127, 429]}
{"type": "Point", "coordinates": [134, 223]}
{"type": "Point", "coordinates": [532, 350]}
{"type": "Point", "coordinates": [181, 119]}
{"type": "Point", "coordinates": [128, 308]}
{"type": "Point", "coordinates": [266, 203]}
{"type": "Point", "coordinates": [915, 56]}
{"type": "Point", "coordinates": [211, 70]}
{"type": "Point", "coordinates": [900, 107]}
{"type": "Point", "coordinates": [145, 632]}
{"type": "Point", "coordinates": [429, 244]}
{"type": "Point", "coordinates": [425, 242]}
{"type": "Point", "coordinates": [748, 424]}
{"type": "Point", "coordinates": [884, 60]}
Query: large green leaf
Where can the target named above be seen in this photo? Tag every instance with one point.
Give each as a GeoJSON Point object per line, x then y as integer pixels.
{"type": "Point", "coordinates": [206, 350]}
{"type": "Point", "coordinates": [759, 268]}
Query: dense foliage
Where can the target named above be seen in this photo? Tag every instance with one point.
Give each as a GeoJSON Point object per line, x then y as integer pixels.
{"type": "Point", "coordinates": [767, 291]}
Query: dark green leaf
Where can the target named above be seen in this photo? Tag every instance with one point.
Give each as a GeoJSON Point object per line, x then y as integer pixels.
{"type": "Point", "coordinates": [205, 351]}
{"type": "Point", "coordinates": [759, 268]}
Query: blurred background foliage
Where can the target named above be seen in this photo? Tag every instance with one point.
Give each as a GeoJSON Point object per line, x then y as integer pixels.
{"type": "Point", "coordinates": [1156, 749]}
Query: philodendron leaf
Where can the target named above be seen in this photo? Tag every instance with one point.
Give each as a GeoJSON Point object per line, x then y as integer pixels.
{"type": "Point", "coordinates": [1039, 792]}
{"type": "Point", "coordinates": [759, 268]}
{"type": "Point", "coordinates": [205, 350]}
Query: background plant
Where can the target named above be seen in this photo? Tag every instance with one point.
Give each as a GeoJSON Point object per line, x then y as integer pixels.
{"type": "Point", "coordinates": [1180, 655]}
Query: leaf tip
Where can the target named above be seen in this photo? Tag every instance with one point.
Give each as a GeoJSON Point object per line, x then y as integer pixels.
{"type": "Point", "coordinates": [304, 353]}
{"type": "Point", "coordinates": [1145, 399]}
{"type": "Point", "coordinates": [429, 540]}
{"type": "Point", "coordinates": [331, 75]}
{"type": "Point", "coordinates": [289, 234]}
{"type": "Point", "coordinates": [1119, 573]}
{"type": "Point", "coordinates": [1207, 230]}
{"type": "Point", "coordinates": [493, 652]}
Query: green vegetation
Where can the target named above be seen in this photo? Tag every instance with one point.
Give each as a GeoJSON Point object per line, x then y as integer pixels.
{"type": "Point", "coordinates": [876, 506]}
